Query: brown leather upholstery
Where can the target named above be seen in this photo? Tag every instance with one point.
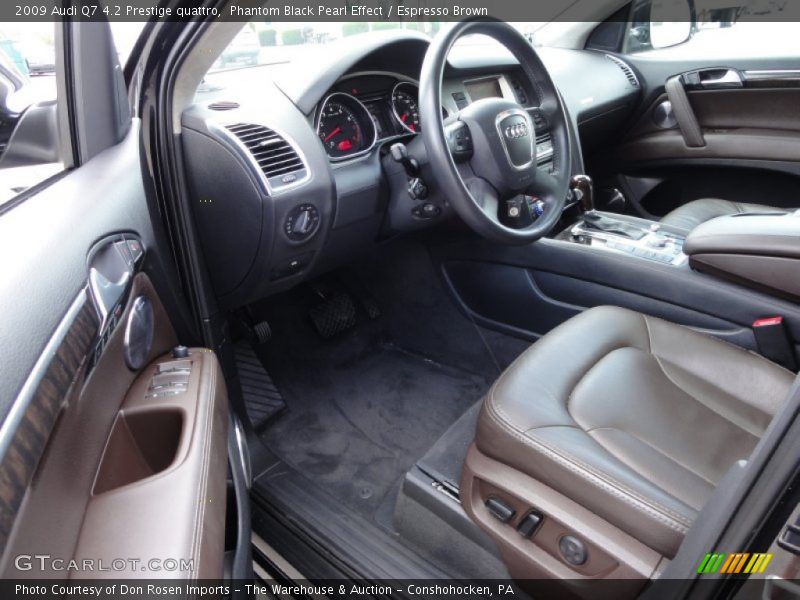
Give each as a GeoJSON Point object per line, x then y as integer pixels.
{"type": "Point", "coordinates": [691, 214]}
{"type": "Point", "coordinates": [634, 418]}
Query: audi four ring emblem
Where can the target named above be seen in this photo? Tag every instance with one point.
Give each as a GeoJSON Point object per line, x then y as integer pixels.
{"type": "Point", "coordinates": [514, 132]}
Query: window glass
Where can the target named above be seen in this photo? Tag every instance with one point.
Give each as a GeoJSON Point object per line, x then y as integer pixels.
{"type": "Point", "coordinates": [125, 35]}
{"type": "Point", "coordinates": [274, 44]}
{"type": "Point", "coordinates": [30, 151]}
{"type": "Point", "coordinates": [274, 47]}
{"type": "Point", "coordinates": [713, 28]}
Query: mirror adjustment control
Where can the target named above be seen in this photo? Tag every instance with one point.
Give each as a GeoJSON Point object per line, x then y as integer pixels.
{"type": "Point", "coordinates": [180, 352]}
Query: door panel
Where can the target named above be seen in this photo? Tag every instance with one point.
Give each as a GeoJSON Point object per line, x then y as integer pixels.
{"type": "Point", "coordinates": [28, 427]}
{"type": "Point", "coordinates": [750, 151]}
{"type": "Point", "coordinates": [160, 489]}
{"type": "Point", "coordinates": [68, 468]}
{"type": "Point", "coordinates": [95, 462]}
{"type": "Point", "coordinates": [754, 124]}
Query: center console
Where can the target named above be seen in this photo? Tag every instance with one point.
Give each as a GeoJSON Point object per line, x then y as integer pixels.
{"type": "Point", "coordinates": [721, 278]}
{"type": "Point", "coordinates": [758, 251]}
{"type": "Point", "coordinates": [634, 237]}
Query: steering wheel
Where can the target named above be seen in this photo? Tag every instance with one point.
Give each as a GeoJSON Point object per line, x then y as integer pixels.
{"type": "Point", "coordinates": [485, 160]}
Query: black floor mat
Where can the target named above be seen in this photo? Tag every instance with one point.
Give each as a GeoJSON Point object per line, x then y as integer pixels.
{"type": "Point", "coordinates": [356, 428]}
{"type": "Point", "coordinates": [366, 404]}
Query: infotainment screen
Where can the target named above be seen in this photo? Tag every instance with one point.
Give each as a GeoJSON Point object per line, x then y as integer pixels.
{"type": "Point", "coordinates": [485, 88]}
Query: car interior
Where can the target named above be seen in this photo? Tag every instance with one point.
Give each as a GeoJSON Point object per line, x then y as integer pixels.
{"type": "Point", "coordinates": [462, 306]}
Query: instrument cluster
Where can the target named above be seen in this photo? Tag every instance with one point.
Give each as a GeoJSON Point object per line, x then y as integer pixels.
{"type": "Point", "coordinates": [345, 126]}
{"type": "Point", "coordinates": [363, 110]}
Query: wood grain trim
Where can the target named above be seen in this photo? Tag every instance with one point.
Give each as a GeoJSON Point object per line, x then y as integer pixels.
{"type": "Point", "coordinates": [28, 441]}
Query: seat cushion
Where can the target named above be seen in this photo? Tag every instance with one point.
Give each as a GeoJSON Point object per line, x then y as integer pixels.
{"type": "Point", "coordinates": [691, 214]}
{"type": "Point", "coordinates": [635, 418]}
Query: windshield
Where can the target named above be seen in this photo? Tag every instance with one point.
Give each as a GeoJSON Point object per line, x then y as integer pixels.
{"type": "Point", "coordinates": [275, 44]}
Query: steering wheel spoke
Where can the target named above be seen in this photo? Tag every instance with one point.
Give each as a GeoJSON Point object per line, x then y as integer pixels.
{"type": "Point", "coordinates": [547, 110]}
{"type": "Point", "coordinates": [546, 187]}
{"type": "Point", "coordinates": [459, 140]}
{"type": "Point", "coordinates": [484, 196]}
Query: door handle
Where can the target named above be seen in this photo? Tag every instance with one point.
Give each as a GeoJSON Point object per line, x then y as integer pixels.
{"type": "Point", "coordinates": [714, 78]}
{"type": "Point", "coordinates": [112, 264]}
{"type": "Point", "coordinates": [684, 115]}
{"type": "Point", "coordinates": [107, 292]}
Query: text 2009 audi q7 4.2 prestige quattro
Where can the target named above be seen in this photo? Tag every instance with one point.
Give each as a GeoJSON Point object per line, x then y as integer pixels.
{"type": "Point", "coordinates": [402, 308]}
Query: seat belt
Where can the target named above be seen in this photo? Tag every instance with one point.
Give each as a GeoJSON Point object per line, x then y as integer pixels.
{"type": "Point", "coordinates": [773, 341]}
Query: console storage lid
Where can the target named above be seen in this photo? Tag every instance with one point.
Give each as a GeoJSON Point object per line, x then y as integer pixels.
{"type": "Point", "coordinates": [757, 250]}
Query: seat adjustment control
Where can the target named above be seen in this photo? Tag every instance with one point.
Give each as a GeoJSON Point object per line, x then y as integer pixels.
{"type": "Point", "coordinates": [499, 509]}
{"type": "Point", "coordinates": [529, 524]}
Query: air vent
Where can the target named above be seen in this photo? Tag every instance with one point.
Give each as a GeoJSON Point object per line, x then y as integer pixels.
{"type": "Point", "coordinates": [625, 69]}
{"type": "Point", "coordinates": [277, 158]}
{"type": "Point", "coordinates": [223, 105]}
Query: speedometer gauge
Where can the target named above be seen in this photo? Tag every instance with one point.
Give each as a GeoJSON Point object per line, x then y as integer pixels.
{"type": "Point", "coordinates": [345, 127]}
{"type": "Point", "coordinates": [406, 106]}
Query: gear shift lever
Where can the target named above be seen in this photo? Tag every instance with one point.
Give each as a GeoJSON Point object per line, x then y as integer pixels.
{"type": "Point", "coordinates": [582, 184]}
{"type": "Point", "coordinates": [594, 220]}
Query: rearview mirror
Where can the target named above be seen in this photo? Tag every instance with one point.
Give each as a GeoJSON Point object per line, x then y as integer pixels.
{"type": "Point", "coordinates": [670, 22]}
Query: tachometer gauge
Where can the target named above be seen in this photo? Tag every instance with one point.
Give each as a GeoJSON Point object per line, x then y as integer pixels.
{"type": "Point", "coordinates": [406, 106]}
{"type": "Point", "coordinates": [345, 126]}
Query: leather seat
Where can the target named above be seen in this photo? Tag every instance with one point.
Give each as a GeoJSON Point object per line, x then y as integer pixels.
{"type": "Point", "coordinates": [691, 214]}
{"type": "Point", "coordinates": [634, 418]}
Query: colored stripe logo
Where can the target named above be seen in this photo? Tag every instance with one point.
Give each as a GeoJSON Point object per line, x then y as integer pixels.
{"type": "Point", "coordinates": [739, 562]}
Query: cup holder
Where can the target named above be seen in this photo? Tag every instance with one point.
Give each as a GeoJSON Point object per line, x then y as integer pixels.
{"type": "Point", "coordinates": [141, 444]}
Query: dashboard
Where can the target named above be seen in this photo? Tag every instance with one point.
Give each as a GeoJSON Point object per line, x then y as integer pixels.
{"type": "Point", "coordinates": [295, 176]}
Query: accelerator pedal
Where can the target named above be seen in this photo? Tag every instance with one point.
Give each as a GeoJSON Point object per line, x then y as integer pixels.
{"type": "Point", "coordinates": [334, 316]}
{"type": "Point", "coordinates": [262, 332]}
{"type": "Point", "coordinates": [362, 295]}
{"type": "Point", "coordinates": [262, 400]}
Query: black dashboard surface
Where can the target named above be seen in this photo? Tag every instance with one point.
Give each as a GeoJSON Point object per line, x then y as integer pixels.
{"type": "Point", "coordinates": [291, 174]}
